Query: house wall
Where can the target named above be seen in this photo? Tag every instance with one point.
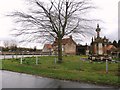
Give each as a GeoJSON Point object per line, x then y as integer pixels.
{"type": "Point", "coordinates": [55, 50]}
{"type": "Point", "coordinates": [47, 51]}
{"type": "Point", "coordinates": [70, 48]}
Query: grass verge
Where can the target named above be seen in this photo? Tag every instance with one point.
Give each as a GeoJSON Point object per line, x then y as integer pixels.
{"type": "Point", "coordinates": [72, 68]}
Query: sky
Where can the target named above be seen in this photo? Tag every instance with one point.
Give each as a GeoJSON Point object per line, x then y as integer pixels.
{"type": "Point", "coordinates": [107, 12]}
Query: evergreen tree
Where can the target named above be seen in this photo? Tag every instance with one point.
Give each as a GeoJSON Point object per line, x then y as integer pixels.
{"type": "Point", "coordinates": [115, 43]}
{"type": "Point", "coordinates": [34, 49]}
{"type": "Point", "coordinates": [119, 43]}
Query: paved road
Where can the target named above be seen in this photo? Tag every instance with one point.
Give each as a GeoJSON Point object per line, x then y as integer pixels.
{"type": "Point", "coordinates": [18, 80]}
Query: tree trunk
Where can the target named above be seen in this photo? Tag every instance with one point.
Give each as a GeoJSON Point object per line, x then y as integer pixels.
{"type": "Point", "coordinates": [59, 50]}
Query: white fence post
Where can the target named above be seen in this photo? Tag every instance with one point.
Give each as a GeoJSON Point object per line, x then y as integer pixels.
{"type": "Point", "coordinates": [36, 60]}
{"type": "Point", "coordinates": [21, 60]}
{"type": "Point", "coordinates": [106, 66]}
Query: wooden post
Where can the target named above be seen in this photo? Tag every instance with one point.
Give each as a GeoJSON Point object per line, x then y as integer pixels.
{"type": "Point", "coordinates": [36, 60]}
{"type": "Point", "coordinates": [106, 66]}
{"type": "Point", "coordinates": [21, 60]}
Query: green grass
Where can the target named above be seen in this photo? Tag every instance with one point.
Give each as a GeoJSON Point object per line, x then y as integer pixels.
{"type": "Point", "coordinates": [117, 59]}
{"type": "Point", "coordinates": [72, 68]}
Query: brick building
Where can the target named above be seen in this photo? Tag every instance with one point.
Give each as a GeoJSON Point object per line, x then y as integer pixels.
{"type": "Point", "coordinates": [47, 49]}
{"type": "Point", "coordinates": [68, 46]}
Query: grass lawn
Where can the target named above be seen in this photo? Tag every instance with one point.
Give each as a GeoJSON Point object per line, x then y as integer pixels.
{"type": "Point", "coordinates": [72, 68]}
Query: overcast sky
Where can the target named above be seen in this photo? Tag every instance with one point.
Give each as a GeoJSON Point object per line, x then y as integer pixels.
{"type": "Point", "coordinates": [107, 11]}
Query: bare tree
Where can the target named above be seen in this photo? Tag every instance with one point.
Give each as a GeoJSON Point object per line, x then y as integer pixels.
{"type": "Point", "coordinates": [56, 18]}
{"type": "Point", "coordinates": [6, 43]}
{"type": "Point", "coordinates": [13, 45]}
{"type": "Point", "coordinates": [10, 45]}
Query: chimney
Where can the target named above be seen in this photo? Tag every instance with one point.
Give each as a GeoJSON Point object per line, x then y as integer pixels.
{"type": "Point", "coordinates": [92, 39]}
{"type": "Point", "coordinates": [56, 39]}
{"type": "Point", "coordinates": [71, 36]}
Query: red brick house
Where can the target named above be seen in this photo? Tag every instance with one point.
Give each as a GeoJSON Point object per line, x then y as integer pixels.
{"type": "Point", "coordinates": [68, 46]}
{"type": "Point", "coordinates": [111, 48]}
{"type": "Point", "coordinates": [47, 49]}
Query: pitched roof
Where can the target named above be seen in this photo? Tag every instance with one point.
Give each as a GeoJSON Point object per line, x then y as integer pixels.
{"type": "Point", "coordinates": [48, 46]}
{"type": "Point", "coordinates": [111, 47]}
{"type": "Point", "coordinates": [65, 41]}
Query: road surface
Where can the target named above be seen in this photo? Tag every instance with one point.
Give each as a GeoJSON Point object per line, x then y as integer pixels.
{"type": "Point", "coordinates": [18, 80]}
